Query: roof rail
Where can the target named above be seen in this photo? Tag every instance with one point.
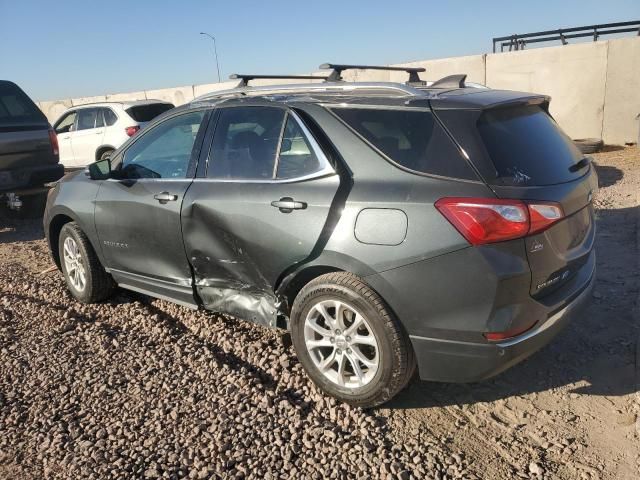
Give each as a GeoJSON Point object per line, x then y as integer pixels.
{"type": "Point", "coordinates": [311, 88]}
{"type": "Point", "coordinates": [336, 74]}
{"type": "Point", "coordinates": [245, 79]}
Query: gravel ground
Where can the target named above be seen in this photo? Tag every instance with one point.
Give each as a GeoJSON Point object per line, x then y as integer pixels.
{"type": "Point", "coordinates": [141, 388]}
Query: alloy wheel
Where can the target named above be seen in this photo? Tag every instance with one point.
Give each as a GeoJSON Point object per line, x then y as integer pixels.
{"type": "Point", "coordinates": [341, 343]}
{"type": "Point", "coordinates": [74, 264]}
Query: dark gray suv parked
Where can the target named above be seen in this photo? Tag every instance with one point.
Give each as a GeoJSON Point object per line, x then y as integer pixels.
{"type": "Point", "coordinates": [387, 225]}
{"type": "Point", "coordinates": [28, 151]}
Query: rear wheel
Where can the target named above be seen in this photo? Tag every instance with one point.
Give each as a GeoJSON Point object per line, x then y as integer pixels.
{"type": "Point", "coordinates": [349, 342]}
{"type": "Point", "coordinates": [86, 279]}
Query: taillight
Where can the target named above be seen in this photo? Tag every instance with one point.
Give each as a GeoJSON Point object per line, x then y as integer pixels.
{"type": "Point", "coordinates": [131, 131]}
{"type": "Point", "coordinates": [490, 220]}
{"type": "Point", "coordinates": [543, 215]}
{"type": "Point", "coordinates": [53, 138]}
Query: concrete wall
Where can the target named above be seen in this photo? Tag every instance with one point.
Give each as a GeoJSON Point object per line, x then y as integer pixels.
{"type": "Point", "coordinates": [622, 95]}
{"type": "Point", "coordinates": [473, 66]}
{"type": "Point", "coordinates": [595, 86]}
{"type": "Point", "coordinates": [574, 76]}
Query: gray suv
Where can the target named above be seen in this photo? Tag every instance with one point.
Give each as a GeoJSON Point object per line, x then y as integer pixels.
{"type": "Point", "coordinates": [389, 226]}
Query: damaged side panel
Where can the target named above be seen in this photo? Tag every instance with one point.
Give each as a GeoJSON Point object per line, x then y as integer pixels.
{"type": "Point", "coordinates": [226, 279]}
{"type": "Point", "coordinates": [239, 245]}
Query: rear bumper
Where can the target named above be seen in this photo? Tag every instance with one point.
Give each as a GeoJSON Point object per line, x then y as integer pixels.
{"type": "Point", "coordinates": [458, 361]}
{"type": "Point", "coordinates": [23, 180]}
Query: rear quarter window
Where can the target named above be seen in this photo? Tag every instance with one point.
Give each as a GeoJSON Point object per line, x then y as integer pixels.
{"type": "Point", "coordinates": [527, 147]}
{"type": "Point", "coordinates": [146, 113]}
{"type": "Point", "coordinates": [411, 139]}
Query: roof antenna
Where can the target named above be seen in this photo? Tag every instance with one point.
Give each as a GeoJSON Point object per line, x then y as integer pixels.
{"type": "Point", "coordinates": [451, 81]}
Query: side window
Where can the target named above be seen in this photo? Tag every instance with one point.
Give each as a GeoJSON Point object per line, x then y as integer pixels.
{"type": "Point", "coordinates": [410, 138]}
{"type": "Point", "coordinates": [165, 150]}
{"type": "Point", "coordinates": [66, 123]}
{"type": "Point", "coordinates": [297, 158]}
{"type": "Point", "coordinates": [245, 143]}
{"type": "Point", "coordinates": [109, 117]}
{"type": "Point", "coordinates": [87, 118]}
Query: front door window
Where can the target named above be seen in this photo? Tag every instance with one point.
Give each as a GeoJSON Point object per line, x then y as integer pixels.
{"type": "Point", "coordinates": [165, 150]}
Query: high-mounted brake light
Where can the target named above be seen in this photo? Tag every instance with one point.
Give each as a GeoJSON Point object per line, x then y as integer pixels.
{"type": "Point", "coordinates": [131, 131]}
{"type": "Point", "coordinates": [490, 220]}
{"type": "Point", "coordinates": [53, 138]}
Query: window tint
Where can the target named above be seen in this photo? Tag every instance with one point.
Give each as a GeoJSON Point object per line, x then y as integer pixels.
{"type": "Point", "coordinates": [87, 118]}
{"type": "Point", "coordinates": [65, 124]}
{"type": "Point", "coordinates": [245, 143]}
{"type": "Point", "coordinates": [527, 147]}
{"type": "Point", "coordinates": [297, 157]}
{"type": "Point", "coordinates": [146, 113]}
{"type": "Point", "coordinates": [165, 150]}
{"type": "Point", "coordinates": [109, 117]}
{"type": "Point", "coordinates": [100, 118]}
{"type": "Point", "coordinates": [16, 108]}
{"type": "Point", "coordinates": [412, 139]}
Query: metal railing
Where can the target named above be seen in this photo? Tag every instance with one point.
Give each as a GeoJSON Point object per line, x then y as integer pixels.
{"type": "Point", "coordinates": [520, 41]}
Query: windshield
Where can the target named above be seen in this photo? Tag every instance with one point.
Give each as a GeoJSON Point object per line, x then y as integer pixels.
{"type": "Point", "coordinates": [146, 113]}
{"type": "Point", "coordinates": [16, 108]}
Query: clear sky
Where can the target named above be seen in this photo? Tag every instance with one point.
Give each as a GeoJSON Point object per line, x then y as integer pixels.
{"type": "Point", "coordinates": [71, 48]}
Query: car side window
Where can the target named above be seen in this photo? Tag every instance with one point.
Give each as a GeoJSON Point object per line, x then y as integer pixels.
{"type": "Point", "coordinates": [109, 117]}
{"type": "Point", "coordinates": [164, 151]}
{"type": "Point", "coordinates": [87, 118]}
{"type": "Point", "coordinates": [245, 143]}
{"type": "Point", "coordinates": [297, 157]}
{"type": "Point", "coordinates": [100, 118]}
{"type": "Point", "coordinates": [66, 123]}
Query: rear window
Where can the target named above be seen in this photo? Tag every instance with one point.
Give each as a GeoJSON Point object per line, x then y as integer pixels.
{"type": "Point", "coordinates": [16, 108]}
{"type": "Point", "coordinates": [527, 147]}
{"type": "Point", "coordinates": [146, 113]}
{"type": "Point", "coordinates": [410, 138]}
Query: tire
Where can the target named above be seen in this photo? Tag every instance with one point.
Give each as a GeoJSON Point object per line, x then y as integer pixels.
{"type": "Point", "coordinates": [98, 284]}
{"type": "Point", "coordinates": [393, 352]}
{"type": "Point", "coordinates": [105, 154]}
{"type": "Point", "coordinates": [588, 145]}
{"type": "Point", "coordinates": [32, 206]}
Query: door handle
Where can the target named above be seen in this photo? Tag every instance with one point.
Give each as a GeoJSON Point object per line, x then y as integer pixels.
{"type": "Point", "coordinates": [165, 197]}
{"type": "Point", "coordinates": [288, 205]}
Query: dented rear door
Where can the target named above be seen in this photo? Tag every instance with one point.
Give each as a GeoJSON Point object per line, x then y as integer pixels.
{"type": "Point", "coordinates": [243, 234]}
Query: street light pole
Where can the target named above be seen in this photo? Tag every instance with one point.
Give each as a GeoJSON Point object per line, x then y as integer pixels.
{"type": "Point", "coordinates": [215, 50]}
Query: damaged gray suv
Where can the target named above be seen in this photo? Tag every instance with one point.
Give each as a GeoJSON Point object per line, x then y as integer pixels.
{"type": "Point", "coordinates": [388, 226]}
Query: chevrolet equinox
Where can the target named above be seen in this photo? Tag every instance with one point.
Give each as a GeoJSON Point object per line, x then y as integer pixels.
{"type": "Point", "coordinates": [389, 226]}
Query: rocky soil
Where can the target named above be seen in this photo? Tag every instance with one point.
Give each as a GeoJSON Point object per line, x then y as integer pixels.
{"type": "Point", "coordinates": [141, 388]}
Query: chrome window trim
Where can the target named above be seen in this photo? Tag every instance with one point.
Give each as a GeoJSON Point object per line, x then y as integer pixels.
{"type": "Point", "coordinates": [325, 170]}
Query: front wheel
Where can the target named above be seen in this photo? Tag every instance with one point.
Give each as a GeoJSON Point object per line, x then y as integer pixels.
{"type": "Point", "coordinates": [349, 342]}
{"type": "Point", "coordinates": [86, 279]}
{"type": "Point", "coordinates": [106, 154]}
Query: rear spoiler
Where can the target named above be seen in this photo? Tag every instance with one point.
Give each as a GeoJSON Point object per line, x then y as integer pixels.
{"type": "Point", "coordinates": [477, 99]}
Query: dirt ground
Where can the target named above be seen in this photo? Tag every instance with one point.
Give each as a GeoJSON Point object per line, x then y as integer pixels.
{"type": "Point", "coordinates": [141, 388]}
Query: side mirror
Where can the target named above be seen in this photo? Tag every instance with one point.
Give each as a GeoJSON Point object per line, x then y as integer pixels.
{"type": "Point", "coordinates": [100, 170]}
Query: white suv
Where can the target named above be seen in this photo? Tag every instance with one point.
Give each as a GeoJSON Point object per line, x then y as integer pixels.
{"type": "Point", "coordinates": [87, 133]}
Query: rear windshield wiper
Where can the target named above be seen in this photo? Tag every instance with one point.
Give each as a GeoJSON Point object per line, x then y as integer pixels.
{"type": "Point", "coordinates": [581, 164]}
